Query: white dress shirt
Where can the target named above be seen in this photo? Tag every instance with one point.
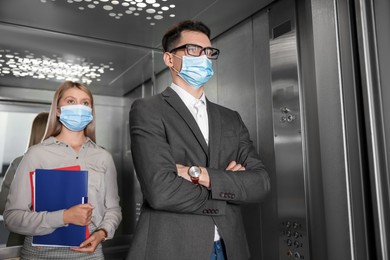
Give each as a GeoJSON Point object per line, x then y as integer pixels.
{"type": "Point", "coordinates": [201, 117]}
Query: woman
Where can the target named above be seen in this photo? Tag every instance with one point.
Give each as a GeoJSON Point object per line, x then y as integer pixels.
{"type": "Point", "coordinates": [37, 131]}
{"type": "Point", "coordinates": [69, 140]}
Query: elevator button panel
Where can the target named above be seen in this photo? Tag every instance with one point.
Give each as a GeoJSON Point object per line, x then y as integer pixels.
{"type": "Point", "coordinates": [293, 239]}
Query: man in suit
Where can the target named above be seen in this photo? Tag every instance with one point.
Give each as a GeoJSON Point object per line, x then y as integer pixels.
{"type": "Point", "coordinates": [194, 160]}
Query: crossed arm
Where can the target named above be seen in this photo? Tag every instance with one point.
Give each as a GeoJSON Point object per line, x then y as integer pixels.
{"type": "Point", "coordinates": [164, 180]}
{"type": "Point", "coordinates": [204, 178]}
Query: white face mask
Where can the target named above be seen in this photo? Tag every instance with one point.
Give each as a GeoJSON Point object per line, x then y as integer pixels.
{"type": "Point", "coordinates": [76, 117]}
{"type": "Point", "coordinates": [196, 71]}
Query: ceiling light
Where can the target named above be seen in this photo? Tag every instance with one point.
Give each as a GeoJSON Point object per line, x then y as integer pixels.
{"type": "Point", "coordinates": [108, 7]}
{"type": "Point", "coordinates": [28, 65]}
{"type": "Point", "coordinates": [120, 7]}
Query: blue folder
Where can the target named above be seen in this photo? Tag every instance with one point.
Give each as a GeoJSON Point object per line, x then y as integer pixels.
{"type": "Point", "coordinates": [57, 190]}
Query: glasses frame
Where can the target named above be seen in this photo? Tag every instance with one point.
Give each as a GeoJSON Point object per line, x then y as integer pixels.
{"type": "Point", "coordinates": [185, 46]}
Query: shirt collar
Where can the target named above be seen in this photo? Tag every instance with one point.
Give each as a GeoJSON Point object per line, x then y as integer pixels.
{"type": "Point", "coordinates": [186, 97]}
{"type": "Point", "coordinates": [53, 140]}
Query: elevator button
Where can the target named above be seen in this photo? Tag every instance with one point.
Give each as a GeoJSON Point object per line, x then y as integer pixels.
{"type": "Point", "coordinates": [284, 110]}
{"type": "Point", "coordinates": [297, 255]}
{"type": "Point", "coordinates": [290, 118]}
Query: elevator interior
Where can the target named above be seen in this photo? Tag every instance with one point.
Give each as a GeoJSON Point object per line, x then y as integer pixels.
{"type": "Point", "coordinates": [307, 76]}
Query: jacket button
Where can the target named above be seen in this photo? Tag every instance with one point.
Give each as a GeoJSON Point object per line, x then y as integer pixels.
{"type": "Point", "coordinates": [222, 194]}
{"type": "Point", "coordinates": [216, 211]}
{"type": "Point", "coordinates": [233, 196]}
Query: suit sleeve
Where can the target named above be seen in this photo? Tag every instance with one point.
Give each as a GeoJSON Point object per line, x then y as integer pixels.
{"type": "Point", "coordinates": [156, 169]}
{"type": "Point", "coordinates": [240, 187]}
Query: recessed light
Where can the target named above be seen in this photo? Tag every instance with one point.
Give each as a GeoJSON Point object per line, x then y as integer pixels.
{"type": "Point", "coordinates": [119, 6]}
{"type": "Point", "coordinates": [28, 65]}
{"type": "Point", "coordinates": [108, 7]}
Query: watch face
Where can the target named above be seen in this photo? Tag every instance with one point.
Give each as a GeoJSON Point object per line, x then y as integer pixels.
{"type": "Point", "coordinates": [194, 171]}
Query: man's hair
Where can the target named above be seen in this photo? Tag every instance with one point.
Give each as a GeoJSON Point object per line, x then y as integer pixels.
{"type": "Point", "coordinates": [172, 36]}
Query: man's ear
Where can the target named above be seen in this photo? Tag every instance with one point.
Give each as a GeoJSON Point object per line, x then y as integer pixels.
{"type": "Point", "coordinates": [168, 59]}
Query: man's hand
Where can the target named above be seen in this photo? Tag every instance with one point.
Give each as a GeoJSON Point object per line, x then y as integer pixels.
{"type": "Point", "coordinates": [233, 166]}
{"type": "Point", "coordinates": [204, 178]}
{"type": "Point", "coordinates": [182, 171]}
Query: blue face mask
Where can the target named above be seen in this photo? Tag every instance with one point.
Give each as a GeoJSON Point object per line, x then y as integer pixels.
{"type": "Point", "coordinates": [76, 117]}
{"type": "Point", "coordinates": [196, 71]}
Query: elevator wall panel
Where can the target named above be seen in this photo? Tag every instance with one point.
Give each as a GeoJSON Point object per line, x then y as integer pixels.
{"type": "Point", "coordinates": [236, 90]}
{"type": "Point", "coordinates": [265, 132]}
{"type": "Point", "coordinates": [288, 133]}
{"type": "Point", "coordinates": [235, 81]}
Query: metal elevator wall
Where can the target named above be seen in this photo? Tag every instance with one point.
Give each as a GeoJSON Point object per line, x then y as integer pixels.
{"type": "Point", "coordinates": [293, 236]}
{"type": "Point", "coordinates": [309, 78]}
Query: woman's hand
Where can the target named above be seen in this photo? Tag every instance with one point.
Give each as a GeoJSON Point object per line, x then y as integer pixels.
{"type": "Point", "coordinates": [89, 245]}
{"type": "Point", "coordinates": [80, 215]}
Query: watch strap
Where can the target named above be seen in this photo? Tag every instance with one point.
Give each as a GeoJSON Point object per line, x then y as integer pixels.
{"type": "Point", "coordinates": [195, 180]}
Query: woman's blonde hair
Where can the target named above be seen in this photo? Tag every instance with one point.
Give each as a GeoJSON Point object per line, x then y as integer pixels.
{"type": "Point", "coordinates": [54, 125]}
{"type": "Point", "coordinates": [38, 128]}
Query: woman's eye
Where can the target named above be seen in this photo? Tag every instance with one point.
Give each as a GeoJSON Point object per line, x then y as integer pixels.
{"type": "Point", "coordinates": [70, 101]}
{"type": "Point", "coordinates": [86, 103]}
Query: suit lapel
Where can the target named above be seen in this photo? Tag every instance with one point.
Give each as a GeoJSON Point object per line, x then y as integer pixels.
{"type": "Point", "coordinates": [174, 101]}
{"type": "Point", "coordinates": [214, 132]}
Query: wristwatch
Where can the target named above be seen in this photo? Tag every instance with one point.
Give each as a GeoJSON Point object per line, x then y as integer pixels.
{"type": "Point", "coordinates": [194, 172]}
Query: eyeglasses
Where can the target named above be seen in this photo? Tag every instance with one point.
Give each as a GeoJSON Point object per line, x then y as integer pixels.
{"type": "Point", "coordinates": [196, 50]}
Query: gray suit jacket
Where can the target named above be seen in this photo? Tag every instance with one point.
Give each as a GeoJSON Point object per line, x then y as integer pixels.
{"type": "Point", "coordinates": [178, 217]}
